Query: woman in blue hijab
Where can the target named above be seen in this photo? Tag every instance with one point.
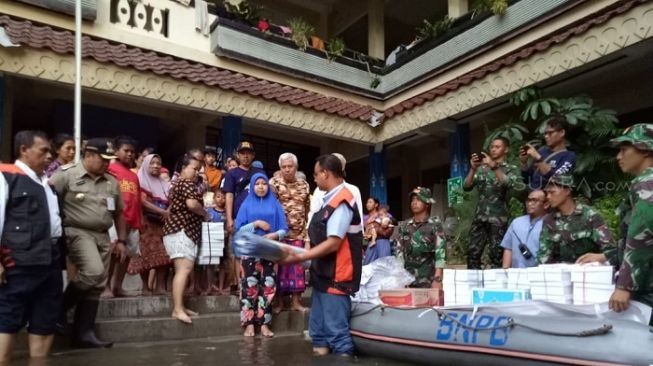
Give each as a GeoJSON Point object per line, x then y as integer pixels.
{"type": "Point", "coordinates": [263, 215]}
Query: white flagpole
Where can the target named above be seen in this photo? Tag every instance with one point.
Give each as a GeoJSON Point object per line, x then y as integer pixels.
{"type": "Point", "coordinates": [78, 79]}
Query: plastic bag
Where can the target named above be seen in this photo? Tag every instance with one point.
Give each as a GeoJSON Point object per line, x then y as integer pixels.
{"type": "Point", "coordinates": [386, 273]}
{"type": "Point", "coordinates": [252, 245]}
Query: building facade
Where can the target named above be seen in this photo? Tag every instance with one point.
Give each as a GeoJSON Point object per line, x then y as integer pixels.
{"type": "Point", "coordinates": [177, 75]}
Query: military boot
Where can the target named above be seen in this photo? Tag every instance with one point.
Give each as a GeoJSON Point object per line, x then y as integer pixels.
{"type": "Point", "coordinates": [84, 336]}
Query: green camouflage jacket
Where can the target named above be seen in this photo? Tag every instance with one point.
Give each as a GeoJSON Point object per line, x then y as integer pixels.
{"type": "Point", "coordinates": [493, 195]}
{"type": "Point", "coordinates": [423, 249]}
{"type": "Point", "coordinates": [634, 255]}
{"type": "Point", "coordinates": [565, 238]}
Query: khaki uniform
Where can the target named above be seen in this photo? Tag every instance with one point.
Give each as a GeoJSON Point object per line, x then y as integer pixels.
{"type": "Point", "coordinates": [88, 206]}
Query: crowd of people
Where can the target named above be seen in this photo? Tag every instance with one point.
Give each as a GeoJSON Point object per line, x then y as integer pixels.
{"type": "Point", "coordinates": [557, 227]}
{"type": "Point", "coordinates": [118, 211]}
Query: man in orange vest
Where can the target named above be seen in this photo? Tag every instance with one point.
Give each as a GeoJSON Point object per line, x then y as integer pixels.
{"type": "Point", "coordinates": [336, 237]}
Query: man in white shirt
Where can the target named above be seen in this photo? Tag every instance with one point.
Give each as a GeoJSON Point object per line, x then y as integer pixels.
{"type": "Point", "coordinates": [318, 194]}
{"type": "Point", "coordinates": [30, 270]}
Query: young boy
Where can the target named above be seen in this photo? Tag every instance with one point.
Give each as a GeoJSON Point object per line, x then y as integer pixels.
{"type": "Point", "coordinates": [131, 194]}
{"type": "Point", "coordinates": [217, 214]}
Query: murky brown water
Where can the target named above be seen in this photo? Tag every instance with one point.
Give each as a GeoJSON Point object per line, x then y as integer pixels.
{"type": "Point", "coordinates": [281, 350]}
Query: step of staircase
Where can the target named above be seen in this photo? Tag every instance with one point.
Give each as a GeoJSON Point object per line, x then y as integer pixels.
{"type": "Point", "coordinates": [151, 329]}
{"type": "Point", "coordinates": [161, 306]}
{"type": "Point", "coordinates": [148, 319]}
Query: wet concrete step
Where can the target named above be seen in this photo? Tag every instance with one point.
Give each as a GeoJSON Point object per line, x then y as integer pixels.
{"type": "Point", "coordinates": [166, 328]}
{"type": "Point", "coordinates": [161, 306]}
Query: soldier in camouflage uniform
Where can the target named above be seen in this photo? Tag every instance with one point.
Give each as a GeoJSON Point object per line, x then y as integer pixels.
{"type": "Point", "coordinates": [634, 255]}
{"type": "Point", "coordinates": [572, 228]}
{"type": "Point", "coordinates": [493, 177]}
{"type": "Point", "coordinates": [421, 241]}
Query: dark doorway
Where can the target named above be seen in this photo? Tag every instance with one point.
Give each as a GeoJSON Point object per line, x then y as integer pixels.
{"type": "Point", "coordinates": [396, 197]}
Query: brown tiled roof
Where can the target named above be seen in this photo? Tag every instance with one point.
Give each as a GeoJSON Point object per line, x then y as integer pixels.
{"type": "Point", "coordinates": [62, 41]}
{"type": "Point", "coordinates": [539, 45]}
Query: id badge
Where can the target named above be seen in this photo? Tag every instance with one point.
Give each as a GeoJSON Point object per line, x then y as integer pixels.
{"type": "Point", "coordinates": [111, 204]}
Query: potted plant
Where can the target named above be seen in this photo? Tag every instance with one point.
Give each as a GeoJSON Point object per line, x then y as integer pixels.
{"type": "Point", "coordinates": [301, 31]}
{"type": "Point", "coordinates": [497, 7]}
{"type": "Point", "coordinates": [244, 11]}
{"type": "Point", "coordinates": [430, 30]}
{"type": "Point", "coordinates": [335, 47]}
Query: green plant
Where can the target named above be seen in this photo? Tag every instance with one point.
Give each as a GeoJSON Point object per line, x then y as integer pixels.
{"type": "Point", "coordinates": [244, 10]}
{"type": "Point", "coordinates": [497, 7]}
{"type": "Point", "coordinates": [513, 131]}
{"type": "Point", "coordinates": [375, 82]}
{"type": "Point", "coordinates": [301, 32]}
{"type": "Point", "coordinates": [607, 207]}
{"type": "Point", "coordinates": [464, 212]}
{"type": "Point", "coordinates": [335, 47]}
{"type": "Point", "coordinates": [590, 129]}
{"type": "Point", "coordinates": [429, 30]}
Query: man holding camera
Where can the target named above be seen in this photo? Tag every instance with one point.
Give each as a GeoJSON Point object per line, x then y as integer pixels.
{"type": "Point", "coordinates": [522, 241]}
{"type": "Point", "coordinates": [553, 159]}
{"type": "Point", "coordinates": [572, 228]}
{"type": "Point", "coordinates": [493, 177]}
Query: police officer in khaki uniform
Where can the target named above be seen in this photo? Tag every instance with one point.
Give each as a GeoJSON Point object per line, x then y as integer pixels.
{"type": "Point", "coordinates": [91, 204]}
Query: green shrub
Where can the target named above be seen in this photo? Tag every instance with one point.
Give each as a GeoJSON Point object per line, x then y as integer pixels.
{"type": "Point", "coordinates": [607, 207]}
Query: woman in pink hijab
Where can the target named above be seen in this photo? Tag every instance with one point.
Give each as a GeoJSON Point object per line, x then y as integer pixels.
{"type": "Point", "coordinates": [155, 208]}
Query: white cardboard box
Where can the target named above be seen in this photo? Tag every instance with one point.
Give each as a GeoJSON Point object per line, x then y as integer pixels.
{"type": "Point", "coordinates": [462, 275]}
{"type": "Point", "coordinates": [593, 274]}
{"type": "Point", "coordinates": [549, 289]}
{"type": "Point", "coordinates": [548, 274]}
{"type": "Point", "coordinates": [592, 293]}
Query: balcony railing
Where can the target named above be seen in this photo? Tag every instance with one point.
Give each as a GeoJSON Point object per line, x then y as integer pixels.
{"type": "Point", "coordinates": [233, 39]}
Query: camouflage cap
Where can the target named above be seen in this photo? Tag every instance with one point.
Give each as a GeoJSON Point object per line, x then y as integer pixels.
{"type": "Point", "coordinates": [562, 180]}
{"type": "Point", "coordinates": [423, 194]}
{"type": "Point", "coordinates": [639, 135]}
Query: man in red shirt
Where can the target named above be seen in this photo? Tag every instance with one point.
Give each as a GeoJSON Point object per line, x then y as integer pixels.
{"type": "Point", "coordinates": [131, 194]}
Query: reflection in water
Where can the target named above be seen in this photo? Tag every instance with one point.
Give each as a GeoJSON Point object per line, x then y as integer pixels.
{"type": "Point", "coordinates": [284, 350]}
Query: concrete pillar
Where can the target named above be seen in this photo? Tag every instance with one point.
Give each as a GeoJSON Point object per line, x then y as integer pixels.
{"type": "Point", "coordinates": [376, 29]}
{"type": "Point", "coordinates": [457, 8]}
{"type": "Point", "coordinates": [378, 183]}
{"type": "Point", "coordinates": [232, 129]}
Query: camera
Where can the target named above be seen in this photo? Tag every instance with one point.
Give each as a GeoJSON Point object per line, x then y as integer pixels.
{"type": "Point", "coordinates": [523, 249]}
{"type": "Point", "coordinates": [478, 156]}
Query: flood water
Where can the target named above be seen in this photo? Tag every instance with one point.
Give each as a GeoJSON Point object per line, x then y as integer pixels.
{"type": "Point", "coordinates": [288, 350]}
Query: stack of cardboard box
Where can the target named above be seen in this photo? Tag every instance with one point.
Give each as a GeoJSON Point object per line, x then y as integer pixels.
{"type": "Point", "coordinates": [592, 284]}
{"type": "Point", "coordinates": [551, 283]}
{"type": "Point", "coordinates": [458, 285]}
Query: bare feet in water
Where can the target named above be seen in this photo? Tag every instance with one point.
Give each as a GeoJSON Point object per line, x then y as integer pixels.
{"type": "Point", "coordinates": [249, 331]}
{"type": "Point", "coordinates": [266, 332]}
{"type": "Point", "coordinates": [182, 317]}
{"type": "Point", "coordinates": [190, 312]}
{"type": "Point", "coordinates": [299, 307]}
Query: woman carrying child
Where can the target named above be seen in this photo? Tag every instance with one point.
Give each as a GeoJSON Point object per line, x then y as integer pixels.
{"type": "Point", "coordinates": [378, 231]}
